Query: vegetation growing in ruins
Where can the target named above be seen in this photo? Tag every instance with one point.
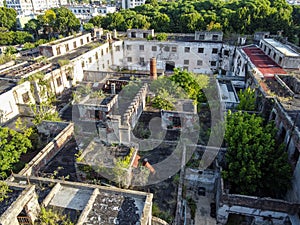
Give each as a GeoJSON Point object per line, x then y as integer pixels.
{"type": "Point", "coordinates": [247, 100]}
{"type": "Point", "coordinates": [166, 216]}
{"type": "Point", "coordinates": [192, 84]}
{"type": "Point", "coordinates": [4, 189]}
{"type": "Point", "coordinates": [12, 145]}
{"type": "Point", "coordinates": [253, 155]}
{"type": "Point", "coordinates": [51, 217]}
{"type": "Point", "coordinates": [44, 112]}
{"type": "Point", "coordinates": [121, 167]}
{"type": "Point", "coordinates": [162, 36]}
{"type": "Point", "coordinates": [63, 62]}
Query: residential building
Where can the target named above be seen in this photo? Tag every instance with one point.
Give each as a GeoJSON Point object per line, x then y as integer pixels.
{"type": "Point", "coordinates": [128, 4]}
{"type": "Point", "coordinates": [24, 7]}
{"type": "Point", "coordinates": [86, 12]}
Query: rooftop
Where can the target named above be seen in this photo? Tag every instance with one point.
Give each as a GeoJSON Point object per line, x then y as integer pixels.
{"type": "Point", "coordinates": [92, 204]}
{"type": "Point", "coordinates": [6, 85]}
{"type": "Point", "coordinates": [76, 52]}
{"type": "Point", "coordinates": [99, 154]}
{"type": "Point", "coordinates": [262, 62]}
{"type": "Point", "coordinates": [282, 48]}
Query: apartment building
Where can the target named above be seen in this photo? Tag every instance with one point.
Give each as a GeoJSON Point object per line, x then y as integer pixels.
{"type": "Point", "coordinates": [24, 7]}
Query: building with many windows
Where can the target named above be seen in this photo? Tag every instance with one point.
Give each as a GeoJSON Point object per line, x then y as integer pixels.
{"type": "Point", "coordinates": [27, 7]}
{"type": "Point", "coordinates": [127, 4]}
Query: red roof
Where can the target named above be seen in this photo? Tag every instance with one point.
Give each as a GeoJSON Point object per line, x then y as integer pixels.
{"type": "Point", "coordinates": [263, 62]}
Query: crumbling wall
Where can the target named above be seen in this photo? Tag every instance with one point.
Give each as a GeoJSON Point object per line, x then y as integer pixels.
{"type": "Point", "coordinates": [48, 152]}
{"type": "Point", "coordinates": [136, 108]}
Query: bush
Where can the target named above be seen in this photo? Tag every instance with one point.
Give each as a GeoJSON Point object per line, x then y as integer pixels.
{"type": "Point", "coordinates": [162, 37]}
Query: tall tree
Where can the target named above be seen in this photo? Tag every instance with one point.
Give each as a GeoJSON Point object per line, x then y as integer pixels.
{"type": "Point", "coordinates": [252, 155]}
{"type": "Point", "coordinates": [12, 145]}
{"type": "Point", "coordinates": [8, 18]}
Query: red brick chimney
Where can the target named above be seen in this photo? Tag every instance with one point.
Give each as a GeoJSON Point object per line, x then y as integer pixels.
{"type": "Point", "coordinates": [153, 72]}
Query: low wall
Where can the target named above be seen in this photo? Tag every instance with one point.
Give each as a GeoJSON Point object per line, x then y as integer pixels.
{"type": "Point", "coordinates": [48, 152]}
{"type": "Point", "coordinates": [158, 221]}
{"type": "Point", "coordinates": [136, 107]}
{"type": "Point", "coordinates": [266, 204]}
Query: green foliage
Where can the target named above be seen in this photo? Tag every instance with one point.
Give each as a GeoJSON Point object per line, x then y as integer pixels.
{"type": "Point", "coordinates": [12, 37]}
{"type": "Point", "coordinates": [63, 62]}
{"type": "Point", "coordinates": [51, 217]}
{"type": "Point", "coordinates": [33, 26]}
{"type": "Point", "coordinates": [159, 103]}
{"type": "Point", "coordinates": [247, 100]}
{"type": "Point", "coordinates": [12, 145]}
{"type": "Point", "coordinates": [252, 156]}
{"type": "Point", "coordinates": [28, 45]}
{"type": "Point", "coordinates": [44, 111]}
{"type": "Point", "coordinates": [88, 26]}
{"type": "Point", "coordinates": [6, 58]}
{"type": "Point", "coordinates": [4, 189]}
{"type": "Point", "coordinates": [10, 50]}
{"type": "Point", "coordinates": [8, 18]}
{"type": "Point", "coordinates": [20, 37]}
{"type": "Point", "coordinates": [192, 84]}
{"type": "Point", "coordinates": [120, 169]}
{"type": "Point", "coordinates": [162, 37]}
{"type": "Point", "coordinates": [56, 20]}
{"type": "Point", "coordinates": [156, 211]}
{"type": "Point", "coordinates": [193, 206]}
{"type": "Point", "coordinates": [189, 16]}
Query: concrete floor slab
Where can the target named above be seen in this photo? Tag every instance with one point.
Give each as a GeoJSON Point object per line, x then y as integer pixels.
{"type": "Point", "coordinates": [71, 198]}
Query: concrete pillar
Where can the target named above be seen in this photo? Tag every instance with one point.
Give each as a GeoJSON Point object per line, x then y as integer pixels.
{"type": "Point", "coordinates": [113, 88]}
{"type": "Point", "coordinates": [115, 34]}
{"type": "Point", "coordinates": [153, 71]}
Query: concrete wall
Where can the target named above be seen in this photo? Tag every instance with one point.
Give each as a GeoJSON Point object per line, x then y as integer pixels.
{"type": "Point", "coordinates": [10, 100]}
{"type": "Point", "coordinates": [27, 200]}
{"type": "Point", "coordinates": [208, 35]}
{"type": "Point", "coordinates": [65, 45]}
{"type": "Point", "coordinates": [138, 33]}
{"type": "Point", "coordinates": [48, 152]}
{"type": "Point", "coordinates": [185, 55]}
{"type": "Point", "coordinates": [280, 58]}
{"type": "Point", "coordinates": [259, 208]}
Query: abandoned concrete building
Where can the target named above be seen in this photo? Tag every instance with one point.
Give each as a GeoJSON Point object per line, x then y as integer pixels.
{"type": "Point", "coordinates": [99, 70]}
{"type": "Point", "coordinates": [83, 203]}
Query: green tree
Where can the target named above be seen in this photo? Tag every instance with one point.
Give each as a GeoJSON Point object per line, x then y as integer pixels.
{"type": "Point", "coordinates": [33, 26]}
{"type": "Point", "coordinates": [88, 26]}
{"type": "Point", "coordinates": [247, 100]}
{"type": "Point", "coordinates": [8, 18]}
{"type": "Point", "coordinates": [20, 37]}
{"type": "Point", "coordinates": [7, 38]}
{"type": "Point", "coordinates": [252, 155]}
{"type": "Point", "coordinates": [192, 84]}
{"type": "Point", "coordinates": [12, 145]}
{"type": "Point", "coordinates": [96, 21]}
{"type": "Point", "coordinates": [66, 22]}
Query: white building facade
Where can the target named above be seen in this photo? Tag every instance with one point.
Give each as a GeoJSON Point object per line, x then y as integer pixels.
{"type": "Point", "coordinates": [26, 7]}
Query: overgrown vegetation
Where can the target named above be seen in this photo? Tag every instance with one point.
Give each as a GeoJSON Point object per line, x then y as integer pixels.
{"type": "Point", "coordinates": [12, 145]}
{"type": "Point", "coordinates": [247, 100]}
{"type": "Point", "coordinates": [4, 189]}
{"type": "Point", "coordinates": [121, 167]}
{"type": "Point", "coordinates": [181, 85]}
{"type": "Point", "coordinates": [166, 216]}
{"type": "Point", "coordinates": [252, 155]}
{"type": "Point", "coordinates": [52, 217]}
